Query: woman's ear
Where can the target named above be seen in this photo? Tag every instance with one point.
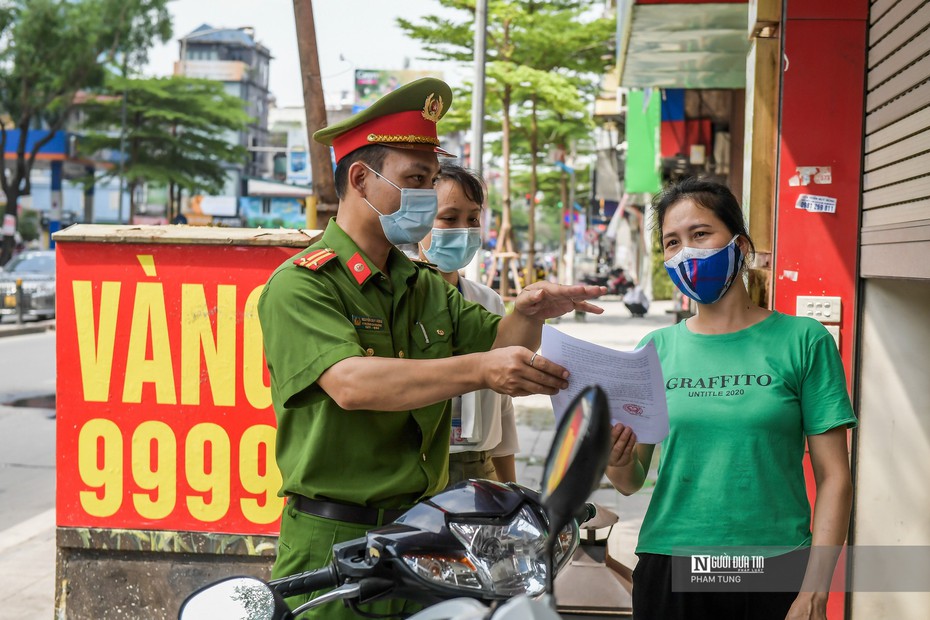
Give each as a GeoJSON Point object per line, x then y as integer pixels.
{"type": "Point", "coordinates": [743, 244]}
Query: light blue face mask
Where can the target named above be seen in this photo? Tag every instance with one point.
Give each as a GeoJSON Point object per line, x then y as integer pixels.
{"type": "Point", "coordinates": [414, 218]}
{"type": "Point", "coordinates": [450, 249]}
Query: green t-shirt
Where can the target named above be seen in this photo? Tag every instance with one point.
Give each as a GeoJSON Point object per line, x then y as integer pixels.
{"type": "Point", "coordinates": [347, 307]}
{"type": "Point", "coordinates": [740, 406]}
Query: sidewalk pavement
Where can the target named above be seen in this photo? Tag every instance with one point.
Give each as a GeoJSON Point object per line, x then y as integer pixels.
{"type": "Point", "coordinates": [10, 327]}
{"type": "Point", "coordinates": [27, 550]}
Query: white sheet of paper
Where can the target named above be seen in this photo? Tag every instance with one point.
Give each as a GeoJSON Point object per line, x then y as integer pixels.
{"type": "Point", "coordinates": [632, 381]}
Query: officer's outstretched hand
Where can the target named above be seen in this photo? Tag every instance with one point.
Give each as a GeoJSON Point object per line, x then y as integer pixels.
{"type": "Point", "coordinates": [547, 300]}
{"type": "Point", "coordinates": [517, 371]}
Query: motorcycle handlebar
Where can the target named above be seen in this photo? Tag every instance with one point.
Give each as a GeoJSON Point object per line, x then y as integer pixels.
{"type": "Point", "coordinates": [304, 583]}
{"type": "Point", "coordinates": [586, 512]}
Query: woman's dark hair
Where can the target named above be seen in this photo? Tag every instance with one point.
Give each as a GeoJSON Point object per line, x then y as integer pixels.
{"type": "Point", "coordinates": [373, 155]}
{"type": "Point", "coordinates": [711, 195]}
{"type": "Point", "coordinates": [471, 183]}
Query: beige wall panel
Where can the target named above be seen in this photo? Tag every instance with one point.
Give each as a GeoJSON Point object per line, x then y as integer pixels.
{"type": "Point", "coordinates": [897, 172]}
{"type": "Point", "coordinates": [898, 260]}
{"type": "Point", "coordinates": [915, 189]}
{"type": "Point", "coordinates": [892, 19]}
{"type": "Point", "coordinates": [888, 216]}
{"type": "Point", "coordinates": [893, 455]}
{"type": "Point", "coordinates": [879, 8]}
{"type": "Point", "coordinates": [887, 59]}
{"type": "Point", "coordinates": [898, 233]}
{"type": "Point", "coordinates": [906, 104]}
{"type": "Point", "coordinates": [897, 151]}
{"type": "Point", "coordinates": [910, 126]}
{"type": "Point", "coordinates": [903, 81]}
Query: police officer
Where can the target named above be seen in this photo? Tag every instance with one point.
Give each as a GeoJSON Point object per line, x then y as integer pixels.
{"type": "Point", "coordinates": [365, 347]}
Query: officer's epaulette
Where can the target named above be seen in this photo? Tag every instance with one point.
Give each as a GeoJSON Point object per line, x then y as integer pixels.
{"type": "Point", "coordinates": [315, 259]}
{"type": "Point", "coordinates": [426, 264]}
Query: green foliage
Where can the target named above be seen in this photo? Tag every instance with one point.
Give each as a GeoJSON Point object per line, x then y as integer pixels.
{"type": "Point", "coordinates": [28, 225]}
{"type": "Point", "coordinates": [50, 50]}
{"type": "Point", "coordinates": [541, 62]}
{"type": "Point", "coordinates": [662, 287]}
{"type": "Point", "coordinates": [174, 130]}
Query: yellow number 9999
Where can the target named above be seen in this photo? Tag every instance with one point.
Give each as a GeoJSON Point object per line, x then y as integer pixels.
{"type": "Point", "coordinates": [259, 475]}
{"type": "Point", "coordinates": [100, 465]}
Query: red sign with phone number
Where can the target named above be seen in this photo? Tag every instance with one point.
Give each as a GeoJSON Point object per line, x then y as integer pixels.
{"type": "Point", "coordinates": [163, 401]}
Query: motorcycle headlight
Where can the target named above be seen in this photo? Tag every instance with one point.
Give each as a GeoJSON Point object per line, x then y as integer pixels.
{"type": "Point", "coordinates": [502, 560]}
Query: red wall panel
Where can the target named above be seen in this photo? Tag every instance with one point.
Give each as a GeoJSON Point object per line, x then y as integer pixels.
{"type": "Point", "coordinates": [822, 117]}
{"type": "Point", "coordinates": [822, 125]}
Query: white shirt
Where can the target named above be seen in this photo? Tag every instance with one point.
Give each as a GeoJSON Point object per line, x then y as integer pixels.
{"type": "Point", "coordinates": [487, 418]}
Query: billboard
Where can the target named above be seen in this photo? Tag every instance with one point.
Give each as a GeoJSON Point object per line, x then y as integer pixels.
{"type": "Point", "coordinates": [372, 84]}
{"type": "Point", "coordinates": [164, 407]}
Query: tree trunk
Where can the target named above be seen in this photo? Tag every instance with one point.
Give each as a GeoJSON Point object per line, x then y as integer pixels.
{"type": "Point", "coordinates": [324, 188]}
{"type": "Point", "coordinates": [534, 187]}
{"type": "Point", "coordinates": [567, 213]}
{"type": "Point", "coordinates": [131, 187]}
{"type": "Point", "coordinates": [504, 244]}
{"type": "Point", "coordinates": [9, 241]}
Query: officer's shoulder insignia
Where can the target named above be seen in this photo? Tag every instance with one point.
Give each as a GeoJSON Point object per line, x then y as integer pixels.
{"type": "Point", "coordinates": [315, 259]}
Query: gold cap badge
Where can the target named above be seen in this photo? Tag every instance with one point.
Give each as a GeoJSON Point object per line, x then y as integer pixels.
{"type": "Point", "coordinates": [432, 109]}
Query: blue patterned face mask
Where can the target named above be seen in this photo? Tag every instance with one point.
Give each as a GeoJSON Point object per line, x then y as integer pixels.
{"type": "Point", "coordinates": [414, 218]}
{"type": "Point", "coordinates": [450, 249]}
{"type": "Point", "coordinates": [705, 275]}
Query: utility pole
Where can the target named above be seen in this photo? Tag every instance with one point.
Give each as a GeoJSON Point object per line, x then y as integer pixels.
{"type": "Point", "coordinates": [477, 111]}
{"type": "Point", "coordinates": [324, 188]}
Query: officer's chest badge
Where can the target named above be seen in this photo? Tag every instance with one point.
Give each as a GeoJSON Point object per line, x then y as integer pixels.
{"type": "Point", "coordinates": [316, 259]}
{"type": "Point", "coordinates": [432, 109]}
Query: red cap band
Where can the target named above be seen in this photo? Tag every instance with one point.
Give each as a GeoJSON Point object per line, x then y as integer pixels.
{"type": "Point", "coordinates": [399, 129]}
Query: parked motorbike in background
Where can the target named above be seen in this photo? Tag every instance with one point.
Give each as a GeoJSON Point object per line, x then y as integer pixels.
{"type": "Point", "coordinates": [615, 280]}
{"type": "Point", "coordinates": [479, 550]}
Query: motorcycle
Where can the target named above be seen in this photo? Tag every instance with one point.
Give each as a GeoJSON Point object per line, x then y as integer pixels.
{"type": "Point", "coordinates": [481, 549]}
{"type": "Point", "coordinates": [615, 280]}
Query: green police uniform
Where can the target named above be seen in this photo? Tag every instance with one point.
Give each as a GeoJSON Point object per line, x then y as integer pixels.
{"type": "Point", "coordinates": [329, 304]}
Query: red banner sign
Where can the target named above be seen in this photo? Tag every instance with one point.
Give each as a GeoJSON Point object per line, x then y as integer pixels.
{"type": "Point", "coordinates": [164, 407]}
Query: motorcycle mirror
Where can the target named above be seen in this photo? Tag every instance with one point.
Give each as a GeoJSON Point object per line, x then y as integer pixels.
{"type": "Point", "coordinates": [236, 598]}
{"type": "Point", "coordinates": [577, 459]}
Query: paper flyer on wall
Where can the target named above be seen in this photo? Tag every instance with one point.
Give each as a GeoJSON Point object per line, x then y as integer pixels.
{"type": "Point", "coordinates": [632, 381]}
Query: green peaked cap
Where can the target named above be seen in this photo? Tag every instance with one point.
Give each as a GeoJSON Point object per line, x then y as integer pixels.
{"type": "Point", "coordinates": [405, 117]}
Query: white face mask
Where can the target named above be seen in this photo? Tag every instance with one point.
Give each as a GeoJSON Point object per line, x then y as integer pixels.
{"type": "Point", "coordinates": [414, 219]}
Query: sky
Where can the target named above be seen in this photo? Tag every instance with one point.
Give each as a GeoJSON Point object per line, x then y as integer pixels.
{"type": "Point", "coordinates": [351, 34]}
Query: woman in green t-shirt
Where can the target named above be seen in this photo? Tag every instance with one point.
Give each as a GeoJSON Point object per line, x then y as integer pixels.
{"type": "Point", "coordinates": [728, 531]}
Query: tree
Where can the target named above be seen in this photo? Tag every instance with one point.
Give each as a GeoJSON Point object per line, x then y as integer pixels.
{"type": "Point", "coordinates": [173, 135]}
{"type": "Point", "coordinates": [51, 49]}
{"type": "Point", "coordinates": [538, 53]}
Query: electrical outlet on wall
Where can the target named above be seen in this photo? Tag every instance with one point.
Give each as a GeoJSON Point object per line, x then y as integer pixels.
{"type": "Point", "coordinates": [824, 309]}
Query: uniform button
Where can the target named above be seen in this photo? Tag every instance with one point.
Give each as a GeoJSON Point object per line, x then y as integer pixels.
{"type": "Point", "coordinates": [369, 351]}
{"type": "Point", "coordinates": [441, 332]}
{"type": "Point", "coordinates": [400, 354]}
{"type": "Point", "coordinates": [358, 267]}
{"type": "Point", "coordinates": [423, 456]}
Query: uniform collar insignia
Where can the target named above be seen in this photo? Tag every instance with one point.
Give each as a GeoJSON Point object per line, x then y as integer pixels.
{"type": "Point", "coordinates": [358, 268]}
